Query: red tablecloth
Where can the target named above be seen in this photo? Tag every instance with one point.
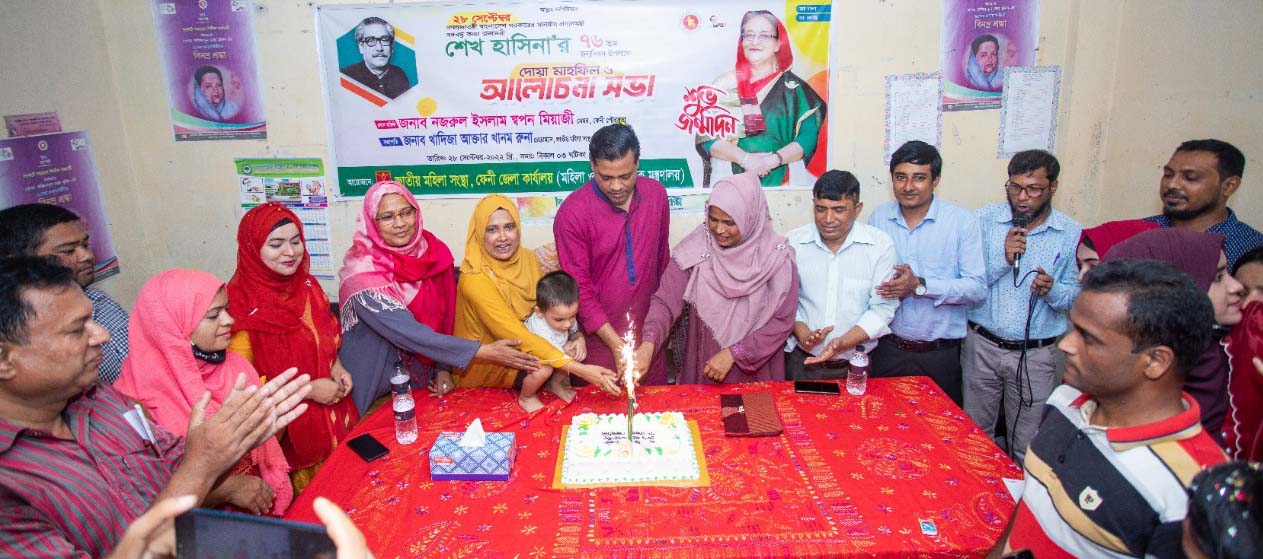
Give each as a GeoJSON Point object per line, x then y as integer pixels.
{"type": "Point", "coordinates": [850, 476]}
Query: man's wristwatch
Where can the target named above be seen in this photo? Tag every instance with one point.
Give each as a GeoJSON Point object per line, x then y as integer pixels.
{"type": "Point", "coordinates": [919, 290]}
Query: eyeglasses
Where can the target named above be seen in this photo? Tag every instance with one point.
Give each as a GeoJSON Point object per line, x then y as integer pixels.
{"type": "Point", "coordinates": [374, 41]}
{"type": "Point", "coordinates": [757, 37]}
{"type": "Point", "coordinates": [407, 214]}
{"type": "Point", "coordinates": [1033, 191]}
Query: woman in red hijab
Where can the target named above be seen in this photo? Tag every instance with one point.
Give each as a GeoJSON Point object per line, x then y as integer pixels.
{"type": "Point", "coordinates": [779, 117]}
{"type": "Point", "coordinates": [283, 321]}
{"type": "Point", "coordinates": [1094, 242]}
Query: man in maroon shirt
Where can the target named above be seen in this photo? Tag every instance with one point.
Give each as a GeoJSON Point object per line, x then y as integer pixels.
{"type": "Point", "coordinates": [611, 235]}
{"type": "Point", "coordinates": [77, 462]}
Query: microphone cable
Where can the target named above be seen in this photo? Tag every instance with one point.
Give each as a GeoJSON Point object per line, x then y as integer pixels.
{"type": "Point", "coordinates": [1023, 371]}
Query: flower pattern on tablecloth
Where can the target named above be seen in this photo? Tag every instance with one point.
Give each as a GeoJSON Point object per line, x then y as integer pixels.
{"type": "Point", "coordinates": [848, 476]}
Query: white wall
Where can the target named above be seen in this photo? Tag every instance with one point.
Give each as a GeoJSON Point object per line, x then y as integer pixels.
{"type": "Point", "coordinates": [1138, 78]}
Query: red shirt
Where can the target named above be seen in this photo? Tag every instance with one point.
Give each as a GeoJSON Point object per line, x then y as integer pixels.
{"type": "Point", "coordinates": [74, 498]}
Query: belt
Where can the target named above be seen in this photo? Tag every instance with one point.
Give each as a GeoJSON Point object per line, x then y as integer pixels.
{"type": "Point", "coordinates": [922, 347]}
{"type": "Point", "coordinates": [1011, 345]}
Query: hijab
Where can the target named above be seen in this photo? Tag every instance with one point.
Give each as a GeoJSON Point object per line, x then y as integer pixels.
{"type": "Point", "coordinates": [747, 87]}
{"type": "Point", "coordinates": [161, 373]}
{"type": "Point", "coordinates": [514, 278]}
{"type": "Point", "coordinates": [288, 322]}
{"type": "Point", "coordinates": [417, 275]}
{"type": "Point", "coordinates": [736, 290]}
{"type": "Point", "coordinates": [1197, 254]}
{"type": "Point", "coordinates": [1104, 236]}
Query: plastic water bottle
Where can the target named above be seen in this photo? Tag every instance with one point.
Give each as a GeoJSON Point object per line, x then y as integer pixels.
{"type": "Point", "coordinates": [857, 375]}
{"type": "Point", "coordinates": [403, 405]}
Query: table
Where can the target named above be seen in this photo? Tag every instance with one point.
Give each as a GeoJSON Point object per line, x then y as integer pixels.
{"type": "Point", "coordinates": [850, 476]}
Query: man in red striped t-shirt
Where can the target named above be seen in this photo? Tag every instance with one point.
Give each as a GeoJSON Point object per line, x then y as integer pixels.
{"type": "Point", "coordinates": [74, 471]}
{"type": "Point", "coordinates": [1119, 442]}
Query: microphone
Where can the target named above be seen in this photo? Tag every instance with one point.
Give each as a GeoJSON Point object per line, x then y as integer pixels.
{"type": "Point", "coordinates": [1019, 220]}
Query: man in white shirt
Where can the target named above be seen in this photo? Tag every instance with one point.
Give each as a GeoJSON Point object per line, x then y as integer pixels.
{"type": "Point", "coordinates": [840, 264]}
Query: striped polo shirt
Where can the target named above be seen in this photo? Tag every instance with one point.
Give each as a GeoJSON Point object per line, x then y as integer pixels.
{"type": "Point", "coordinates": [74, 498]}
{"type": "Point", "coordinates": [1098, 492]}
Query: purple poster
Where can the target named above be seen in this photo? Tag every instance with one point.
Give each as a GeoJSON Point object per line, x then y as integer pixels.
{"type": "Point", "coordinates": [208, 58]}
{"type": "Point", "coordinates": [980, 39]}
{"type": "Point", "coordinates": [58, 169]}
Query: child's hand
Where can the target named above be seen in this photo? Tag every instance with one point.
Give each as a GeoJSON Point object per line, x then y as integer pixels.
{"type": "Point", "coordinates": [576, 348]}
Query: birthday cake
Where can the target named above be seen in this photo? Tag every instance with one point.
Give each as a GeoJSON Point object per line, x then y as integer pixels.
{"type": "Point", "coordinates": [597, 450]}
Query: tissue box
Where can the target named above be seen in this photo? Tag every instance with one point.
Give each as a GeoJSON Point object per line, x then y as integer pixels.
{"type": "Point", "coordinates": [490, 462]}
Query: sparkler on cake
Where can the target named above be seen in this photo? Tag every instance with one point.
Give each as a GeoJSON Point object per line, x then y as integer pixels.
{"type": "Point", "coordinates": [628, 354]}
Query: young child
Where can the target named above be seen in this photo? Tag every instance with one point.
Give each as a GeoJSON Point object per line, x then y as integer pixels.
{"type": "Point", "coordinates": [556, 304]}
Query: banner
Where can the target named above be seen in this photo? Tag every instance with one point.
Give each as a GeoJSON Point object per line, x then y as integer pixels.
{"type": "Point", "coordinates": [299, 184]}
{"type": "Point", "coordinates": [59, 169]}
{"type": "Point", "coordinates": [980, 38]}
{"type": "Point", "coordinates": [471, 98]}
{"type": "Point", "coordinates": [208, 59]}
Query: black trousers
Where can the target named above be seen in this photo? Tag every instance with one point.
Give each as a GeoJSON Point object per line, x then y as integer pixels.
{"type": "Point", "coordinates": [941, 365]}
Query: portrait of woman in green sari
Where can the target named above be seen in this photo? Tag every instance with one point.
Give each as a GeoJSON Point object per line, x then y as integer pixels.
{"type": "Point", "coordinates": [780, 116]}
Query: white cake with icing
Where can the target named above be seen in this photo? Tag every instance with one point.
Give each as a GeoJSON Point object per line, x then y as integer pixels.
{"type": "Point", "coordinates": [597, 450]}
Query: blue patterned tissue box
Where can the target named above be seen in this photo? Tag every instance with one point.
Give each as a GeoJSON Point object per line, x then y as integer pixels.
{"type": "Point", "coordinates": [490, 462]}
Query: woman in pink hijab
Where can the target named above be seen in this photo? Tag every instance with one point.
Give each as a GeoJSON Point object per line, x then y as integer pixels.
{"type": "Point", "coordinates": [179, 334]}
{"type": "Point", "coordinates": [398, 301]}
{"type": "Point", "coordinates": [739, 281]}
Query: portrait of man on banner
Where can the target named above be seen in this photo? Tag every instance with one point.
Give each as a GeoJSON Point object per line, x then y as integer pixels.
{"type": "Point", "coordinates": [373, 69]}
{"type": "Point", "coordinates": [762, 116]}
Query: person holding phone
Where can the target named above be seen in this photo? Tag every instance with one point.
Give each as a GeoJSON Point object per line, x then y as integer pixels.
{"type": "Point", "coordinates": [72, 445]}
{"type": "Point", "coordinates": [152, 535]}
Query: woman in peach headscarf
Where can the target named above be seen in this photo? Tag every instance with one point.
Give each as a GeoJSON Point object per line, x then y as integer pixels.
{"type": "Point", "coordinates": [179, 334]}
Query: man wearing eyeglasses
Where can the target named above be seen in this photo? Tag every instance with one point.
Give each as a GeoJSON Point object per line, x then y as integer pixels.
{"type": "Point", "coordinates": [1010, 358]}
{"type": "Point", "coordinates": [376, 40]}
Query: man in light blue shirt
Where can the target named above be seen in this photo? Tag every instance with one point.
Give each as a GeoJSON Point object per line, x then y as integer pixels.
{"type": "Point", "coordinates": [1011, 356]}
{"type": "Point", "coordinates": [939, 276]}
{"type": "Point", "coordinates": [840, 264]}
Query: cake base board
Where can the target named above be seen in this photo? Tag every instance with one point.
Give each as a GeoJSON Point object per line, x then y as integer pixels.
{"type": "Point", "coordinates": [702, 481]}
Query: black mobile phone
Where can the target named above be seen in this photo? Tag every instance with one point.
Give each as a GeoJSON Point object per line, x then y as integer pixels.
{"type": "Point", "coordinates": [817, 387]}
{"type": "Point", "coordinates": [206, 534]}
{"type": "Point", "coordinates": [368, 447]}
